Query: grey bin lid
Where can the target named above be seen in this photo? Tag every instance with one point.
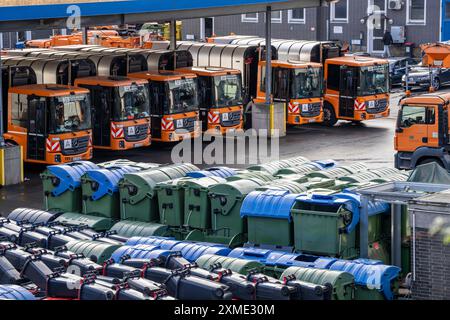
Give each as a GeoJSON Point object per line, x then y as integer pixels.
{"type": "Point", "coordinates": [260, 175]}
{"type": "Point", "coordinates": [288, 185]}
{"type": "Point", "coordinates": [176, 171]}
{"type": "Point", "coordinates": [203, 183]}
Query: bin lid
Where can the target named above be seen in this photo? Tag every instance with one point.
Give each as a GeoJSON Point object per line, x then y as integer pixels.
{"type": "Point", "coordinates": [205, 182]}
{"type": "Point", "coordinates": [287, 185]}
{"type": "Point", "coordinates": [108, 179]}
{"type": "Point", "coordinates": [271, 167]}
{"type": "Point", "coordinates": [383, 172]}
{"type": "Point", "coordinates": [261, 175]}
{"type": "Point", "coordinates": [235, 188]}
{"type": "Point", "coordinates": [136, 251]}
{"type": "Point", "coordinates": [360, 177]}
{"type": "Point", "coordinates": [303, 169]}
{"type": "Point", "coordinates": [32, 216]}
{"type": "Point", "coordinates": [275, 204]}
{"type": "Point", "coordinates": [332, 173]}
{"type": "Point", "coordinates": [191, 251]}
{"type": "Point", "coordinates": [136, 186]}
{"type": "Point", "coordinates": [15, 292]}
{"type": "Point", "coordinates": [326, 164]}
{"type": "Point", "coordinates": [351, 201]}
{"type": "Point", "coordinates": [69, 175]}
{"type": "Point", "coordinates": [178, 170]}
{"type": "Point", "coordinates": [223, 172]}
{"type": "Point", "coordinates": [372, 275]}
{"type": "Point", "coordinates": [130, 228]}
{"type": "Point", "coordinates": [78, 219]}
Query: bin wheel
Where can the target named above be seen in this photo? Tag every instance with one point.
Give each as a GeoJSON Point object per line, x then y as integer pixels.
{"type": "Point", "coordinates": [329, 116]}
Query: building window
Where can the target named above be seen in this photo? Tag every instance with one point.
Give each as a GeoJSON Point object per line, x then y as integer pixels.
{"type": "Point", "coordinates": [277, 17]}
{"type": "Point", "coordinates": [416, 12]}
{"type": "Point", "coordinates": [447, 11]}
{"type": "Point", "coordinates": [339, 11]}
{"type": "Point", "coordinates": [296, 16]}
{"type": "Point", "coordinates": [250, 17]}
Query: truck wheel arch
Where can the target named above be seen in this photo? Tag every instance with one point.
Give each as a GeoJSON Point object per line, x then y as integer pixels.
{"type": "Point", "coordinates": [424, 153]}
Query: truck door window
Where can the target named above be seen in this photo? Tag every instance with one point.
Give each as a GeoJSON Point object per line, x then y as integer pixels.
{"type": "Point", "coordinates": [333, 77]}
{"type": "Point", "coordinates": [413, 116]}
{"type": "Point", "coordinates": [281, 83]}
{"type": "Point", "coordinates": [19, 110]}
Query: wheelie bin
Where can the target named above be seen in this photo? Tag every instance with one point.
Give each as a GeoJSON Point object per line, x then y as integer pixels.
{"type": "Point", "coordinates": [197, 205]}
{"type": "Point", "coordinates": [62, 185]}
{"type": "Point", "coordinates": [171, 201]}
{"type": "Point", "coordinates": [241, 266]}
{"type": "Point", "coordinates": [269, 217]}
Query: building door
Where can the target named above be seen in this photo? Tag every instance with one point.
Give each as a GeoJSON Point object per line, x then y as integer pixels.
{"type": "Point", "coordinates": [445, 28]}
{"type": "Point", "coordinates": [376, 25]}
{"type": "Point", "coordinates": [206, 28]}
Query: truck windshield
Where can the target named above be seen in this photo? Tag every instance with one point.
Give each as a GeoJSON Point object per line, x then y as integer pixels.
{"type": "Point", "coordinates": [374, 80]}
{"type": "Point", "coordinates": [306, 83]}
{"type": "Point", "coordinates": [228, 90]}
{"type": "Point", "coordinates": [416, 115]}
{"type": "Point", "coordinates": [70, 113]}
{"type": "Point", "coordinates": [131, 102]}
{"type": "Point", "coordinates": [182, 95]}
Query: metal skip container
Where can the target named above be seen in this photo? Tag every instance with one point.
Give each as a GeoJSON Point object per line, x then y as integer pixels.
{"type": "Point", "coordinates": [226, 201]}
{"type": "Point", "coordinates": [62, 185]}
{"type": "Point", "coordinates": [138, 197]}
{"type": "Point", "coordinates": [269, 217]}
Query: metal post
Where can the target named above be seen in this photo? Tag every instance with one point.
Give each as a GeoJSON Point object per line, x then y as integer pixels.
{"type": "Point", "coordinates": [268, 55]}
{"type": "Point", "coordinates": [173, 41]}
{"type": "Point", "coordinates": [85, 35]}
{"type": "Point", "coordinates": [407, 77]}
{"type": "Point", "coordinates": [2, 140]}
{"type": "Point", "coordinates": [396, 235]}
{"type": "Point", "coordinates": [364, 228]}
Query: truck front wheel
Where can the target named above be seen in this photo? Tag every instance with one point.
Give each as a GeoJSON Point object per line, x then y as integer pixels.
{"type": "Point", "coordinates": [329, 116]}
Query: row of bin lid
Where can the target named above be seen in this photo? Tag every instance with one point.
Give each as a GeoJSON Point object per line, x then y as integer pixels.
{"type": "Point", "coordinates": [372, 274]}
{"type": "Point", "coordinates": [15, 292]}
{"type": "Point", "coordinates": [32, 216]}
{"type": "Point", "coordinates": [189, 250]}
{"type": "Point", "coordinates": [222, 172]}
{"type": "Point", "coordinates": [277, 204]}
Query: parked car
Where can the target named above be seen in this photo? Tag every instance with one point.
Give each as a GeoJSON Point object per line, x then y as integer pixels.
{"type": "Point", "coordinates": [397, 68]}
{"type": "Point", "coordinates": [419, 78]}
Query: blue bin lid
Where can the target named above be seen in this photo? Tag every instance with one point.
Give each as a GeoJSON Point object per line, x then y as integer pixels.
{"type": "Point", "coordinates": [137, 251]}
{"type": "Point", "coordinates": [374, 276]}
{"type": "Point", "coordinates": [351, 201]}
{"type": "Point", "coordinates": [108, 179]}
{"type": "Point", "coordinates": [191, 251]}
{"type": "Point", "coordinates": [154, 240]}
{"type": "Point", "coordinates": [223, 172]}
{"type": "Point", "coordinates": [15, 292]}
{"type": "Point", "coordinates": [326, 164]}
{"type": "Point", "coordinates": [275, 204]}
{"type": "Point", "coordinates": [69, 175]}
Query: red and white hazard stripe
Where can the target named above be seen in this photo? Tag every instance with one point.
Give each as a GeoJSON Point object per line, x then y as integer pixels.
{"type": "Point", "coordinates": [90, 141]}
{"type": "Point", "coordinates": [167, 125]}
{"type": "Point", "coordinates": [52, 146]}
{"type": "Point", "coordinates": [213, 117]}
{"type": "Point", "coordinates": [292, 108]}
{"type": "Point", "coordinates": [117, 132]}
{"type": "Point", "coordinates": [360, 106]}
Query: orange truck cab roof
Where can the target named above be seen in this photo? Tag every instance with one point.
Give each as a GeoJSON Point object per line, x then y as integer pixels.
{"type": "Point", "coordinates": [111, 81]}
{"type": "Point", "coordinates": [357, 61]}
{"type": "Point", "coordinates": [209, 71]}
{"type": "Point", "coordinates": [48, 90]}
{"type": "Point", "coordinates": [155, 75]}
{"type": "Point", "coordinates": [428, 99]}
{"type": "Point", "coordinates": [436, 55]}
{"type": "Point", "coordinates": [293, 64]}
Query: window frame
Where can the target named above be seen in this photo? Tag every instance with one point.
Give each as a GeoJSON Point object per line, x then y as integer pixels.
{"type": "Point", "coordinates": [333, 19]}
{"type": "Point", "coordinates": [293, 20]}
{"type": "Point", "coordinates": [277, 20]}
{"type": "Point", "coordinates": [246, 19]}
{"type": "Point", "coordinates": [412, 22]}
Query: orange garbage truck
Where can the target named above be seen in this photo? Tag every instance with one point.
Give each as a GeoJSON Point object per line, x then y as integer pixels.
{"type": "Point", "coordinates": [422, 133]}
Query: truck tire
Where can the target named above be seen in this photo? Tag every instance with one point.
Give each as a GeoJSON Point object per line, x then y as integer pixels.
{"type": "Point", "coordinates": [436, 84]}
{"type": "Point", "coordinates": [431, 160]}
{"type": "Point", "coordinates": [329, 116]}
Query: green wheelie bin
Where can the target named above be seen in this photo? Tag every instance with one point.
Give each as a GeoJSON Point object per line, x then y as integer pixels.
{"type": "Point", "coordinates": [97, 251]}
{"type": "Point", "coordinates": [197, 205]}
{"type": "Point", "coordinates": [130, 228]}
{"type": "Point", "coordinates": [284, 184]}
{"type": "Point", "coordinates": [302, 169]}
{"type": "Point", "coordinates": [241, 266]}
{"type": "Point", "coordinates": [226, 201]}
{"type": "Point", "coordinates": [77, 219]}
{"type": "Point", "coordinates": [343, 283]}
{"type": "Point", "coordinates": [260, 175]}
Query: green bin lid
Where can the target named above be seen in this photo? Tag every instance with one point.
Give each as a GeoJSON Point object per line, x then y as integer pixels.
{"type": "Point", "coordinates": [360, 177]}
{"type": "Point", "coordinates": [285, 184]}
{"type": "Point", "coordinates": [136, 186]}
{"type": "Point", "coordinates": [78, 219]}
{"type": "Point", "coordinates": [237, 265]}
{"type": "Point", "coordinates": [260, 175]}
{"type": "Point", "coordinates": [203, 183]}
{"type": "Point", "coordinates": [342, 282]}
{"type": "Point", "coordinates": [173, 184]}
{"type": "Point", "coordinates": [129, 228]}
{"type": "Point", "coordinates": [97, 251]}
{"type": "Point", "coordinates": [235, 188]}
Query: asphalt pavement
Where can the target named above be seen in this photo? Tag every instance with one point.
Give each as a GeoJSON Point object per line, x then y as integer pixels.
{"type": "Point", "coordinates": [370, 142]}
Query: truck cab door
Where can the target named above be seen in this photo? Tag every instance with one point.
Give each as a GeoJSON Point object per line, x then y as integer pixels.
{"type": "Point", "coordinates": [37, 123]}
{"type": "Point", "coordinates": [347, 93]}
{"type": "Point", "coordinates": [413, 128]}
{"type": "Point", "coordinates": [101, 116]}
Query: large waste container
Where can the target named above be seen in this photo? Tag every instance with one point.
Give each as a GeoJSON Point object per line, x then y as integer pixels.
{"type": "Point", "coordinates": [97, 251]}
{"type": "Point", "coordinates": [226, 201]}
{"type": "Point", "coordinates": [130, 228]}
{"type": "Point", "coordinates": [241, 266]}
{"type": "Point", "coordinates": [197, 205]}
{"type": "Point", "coordinates": [138, 197]}
{"type": "Point", "coordinates": [343, 283]}
{"type": "Point", "coordinates": [302, 169]}
{"type": "Point", "coordinates": [269, 217]}
{"type": "Point", "coordinates": [223, 172]}
{"type": "Point", "coordinates": [62, 185]}
{"type": "Point", "coordinates": [78, 219]}
{"type": "Point", "coordinates": [100, 189]}
{"type": "Point", "coordinates": [171, 201]}
{"type": "Point", "coordinates": [327, 225]}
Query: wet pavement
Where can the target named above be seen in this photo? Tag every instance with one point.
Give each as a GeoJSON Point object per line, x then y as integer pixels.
{"type": "Point", "coordinates": [370, 142]}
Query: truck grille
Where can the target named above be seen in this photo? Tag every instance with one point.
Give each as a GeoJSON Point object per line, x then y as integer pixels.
{"type": "Point", "coordinates": [380, 106]}
{"type": "Point", "coordinates": [313, 110]}
{"type": "Point", "coordinates": [140, 133]}
{"type": "Point", "coordinates": [234, 119]}
{"type": "Point", "coordinates": [79, 145]}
